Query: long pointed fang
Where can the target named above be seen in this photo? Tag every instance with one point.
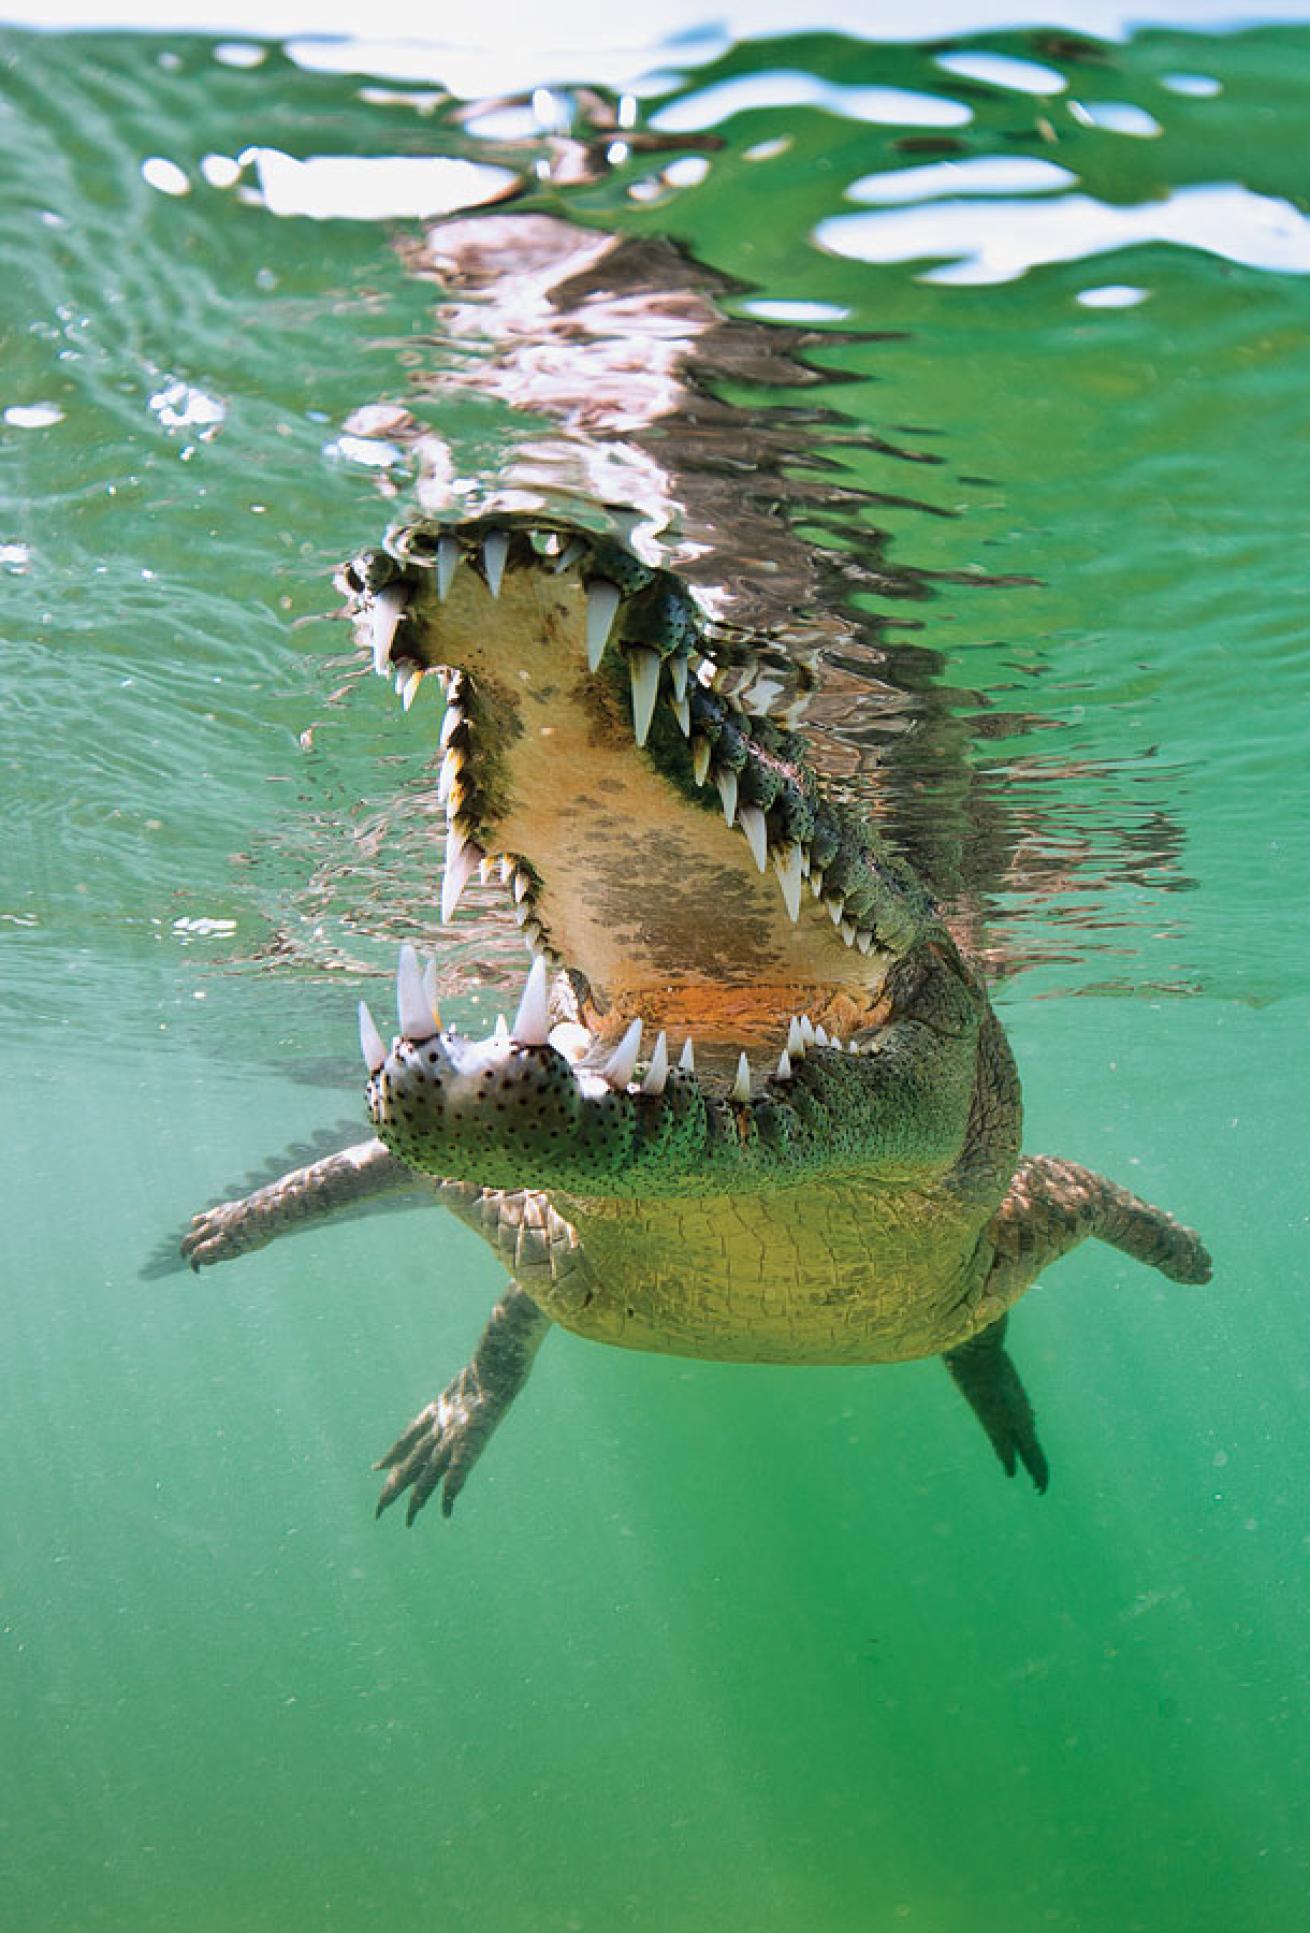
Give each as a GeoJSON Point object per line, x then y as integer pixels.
{"type": "Point", "coordinates": [450, 724]}
{"type": "Point", "coordinates": [741, 1087]}
{"type": "Point", "coordinates": [795, 1039]}
{"type": "Point", "coordinates": [462, 856]}
{"type": "Point", "coordinates": [370, 1040]}
{"type": "Point", "coordinates": [784, 1067]}
{"type": "Point", "coordinates": [388, 609]}
{"type": "Point", "coordinates": [787, 864]}
{"type": "Point", "coordinates": [618, 1069]}
{"type": "Point", "coordinates": [430, 989]}
{"type": "Point", "coordinates": [412, 1009]}
{"type": "Point", "coordinates": [727, 784]}
{"type": "Point", "coordinates": [501, 1029]}
{"type": "Point", "coordinates": [447, 559]}
{"type": "Point", "coordinates": [678, 677]}
{"type": "Point", "coordinates": [820, 1037]}
{"type": "Point", "coordinates": [409, 691]}
{"type": "Point", "coordinates": [701, 751]}
{"type": "Point", "coordinates": [682, 712]}
{"type": "Point", "coordinates": [864, 940]}
{"type": "Point", "coordinates": [495, 550]}
{"type": "Point", "coordinates": [753, 824]}
{"type": "Point", "coordinates": [644, 671]}
{"type": "Point", "coordinates": [452, 764]}
{"type": "Point", "coordinates": [807, 1030]}
{"type": "Point", "coordinates": [532, 1022]}
{"type": "Point", "coordinates": [602, 602]}
{"type": "Point", "coordinates": [687, 1058]}
{"type": "Point", "coordinates": [658, 1071]}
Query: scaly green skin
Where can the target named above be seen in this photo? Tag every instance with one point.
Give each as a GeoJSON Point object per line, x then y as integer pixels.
{"type": "Point", "coordinates": [863, 1202]}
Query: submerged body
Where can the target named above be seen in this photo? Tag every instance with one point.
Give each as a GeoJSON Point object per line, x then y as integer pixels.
{"type": "Point", "coordinates": [829, 1170]}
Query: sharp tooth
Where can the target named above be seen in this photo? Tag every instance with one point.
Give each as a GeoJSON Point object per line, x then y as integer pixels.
{"type": "Point", "coordinates": [727, 784]}
{"type": "Point", "coordinates": [399, 682]}
{"type": "Point", "coordinates": [507, 868]}
{"type": "Point", "coordinates": [687, 1058]}
{"type": "Point", "coordinates": [682, 712]}
{"type": "Point", "coordinates": [532, 1021]}
{"type": "Point", "coordinates": [522, 886]}
{"type": "Point", "coordinates": [388, 609]}
{"type": "Point", "coordinates": [410, 691]}
{"type": "Point", "coordinates": [658, 1071]}
{"type": "Point", "coordinates": [619, 1067]}
{"type": "Point", "coordinates": [741, 1087]}
{"type": "Point", "coordinates": [447, 559]}
{"type": "Point", "coordinates": [820, 1037]}
{"type": "Point", "coordinates": [784, 1066]}
{"type": "Point", "coordinates": [501, 1029]}
{"type": "Point", "coordinates": [834, 1040]}
{"type": "Point", "coordinates": [816, 881]}
{"type": "Point", "coordinates": [836, 907]}
{"type": "Point", "coordinates": [700, 759]}
{"type": "Point", "coordinates": [495, 550]}
{"type": "Point", "coordinates": [430, 989]}
{"type": "Point", "coordinates": [462, 855]}
{"type": "Point", "coordinates": [452, 765]}
{"type": "Point", "coordinates": [848, 931]}
{"type": "Point", "coordinates": [864, 940]}
{"type": "Point", "coordinates": [807, 1030]}
{"type": "Point", "coordinates": [523, 912]}
{"type": "Point", "coordinates": [787, 865]}
{"type": "Point", "coordinates": [413, 1011]}
{"type": "Point", "coordinates": [795, 1039]}
{"type": "Point", "coordinates": [678, 677]}
{"type": "Point", "coordinates": [570, 554]}
{"type": "Point", "coordinates": [644, 671]}
{"type": "Point", "coordinates": [602, 602]}
{"type": "Point", "coordinates": [450, 724]}
{"type": "Point", "coordinates": [752, 822]}
{"type": "Point", "coordinates": [486, 867]}
{"type": "Point", "coordinates": [370, 1040]}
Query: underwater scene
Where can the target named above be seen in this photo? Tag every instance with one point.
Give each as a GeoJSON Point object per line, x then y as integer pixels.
{"type": "Point", "coordinates": [939, 409]}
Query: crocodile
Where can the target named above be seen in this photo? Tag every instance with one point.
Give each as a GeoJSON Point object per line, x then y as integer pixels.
{"type": "Point", "coordinates": [754, 1105]}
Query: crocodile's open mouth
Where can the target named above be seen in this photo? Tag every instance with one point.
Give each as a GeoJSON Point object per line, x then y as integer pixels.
{"type": "Point", "coordinates": [663, 839]}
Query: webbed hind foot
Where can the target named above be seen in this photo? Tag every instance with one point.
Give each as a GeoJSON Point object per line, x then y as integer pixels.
{"type": "Point", "coordinates": [445, 1440]}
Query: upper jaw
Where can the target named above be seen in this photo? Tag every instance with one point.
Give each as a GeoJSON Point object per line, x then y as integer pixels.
{"type": "Point", "coordinates": [655, 827]}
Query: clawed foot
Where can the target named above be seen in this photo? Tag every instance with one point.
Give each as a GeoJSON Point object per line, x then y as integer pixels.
{"type": "Point", "coordinates": [220, 1233]}
{"type": "Point", "coordinates": [444, 1441]}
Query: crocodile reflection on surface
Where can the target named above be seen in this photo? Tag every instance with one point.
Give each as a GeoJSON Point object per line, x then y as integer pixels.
{"type": "Point", "coordinates": [754, 1104]}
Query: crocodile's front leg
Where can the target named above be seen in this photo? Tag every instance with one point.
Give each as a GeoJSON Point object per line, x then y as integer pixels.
{"type": "Point", "coordinates": [354, 1180]}
{"type": "Point", "coordinates": [1053, 1205]}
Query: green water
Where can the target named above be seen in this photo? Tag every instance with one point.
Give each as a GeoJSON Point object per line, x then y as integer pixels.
{"type": "Point", "coordinates": [703, 1647]}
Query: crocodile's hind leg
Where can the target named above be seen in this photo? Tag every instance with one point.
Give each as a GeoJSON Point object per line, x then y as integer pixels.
{"type": "Point", "coordinates": [446, 1439]}
{"type": "Point", "coordinates": [1049, 1208]}
{"type": "Point", "coordinates": [984, 1373]}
